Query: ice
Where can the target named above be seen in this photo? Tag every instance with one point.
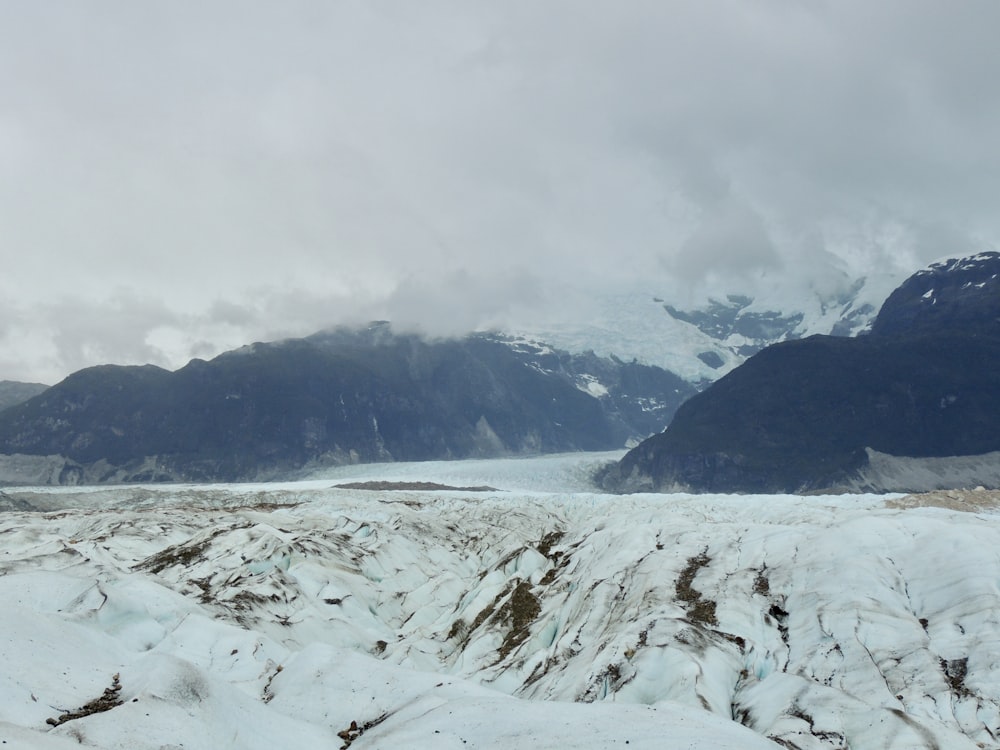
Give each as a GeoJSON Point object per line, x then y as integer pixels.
{"type": "Point", "coordinates": [536, 614]}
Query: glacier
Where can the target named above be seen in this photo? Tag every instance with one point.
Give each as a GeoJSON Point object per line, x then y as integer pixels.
{"type": "Point", "coordinates": [633, 324]}
{"type": "Point", "coordinates": [537, 612]}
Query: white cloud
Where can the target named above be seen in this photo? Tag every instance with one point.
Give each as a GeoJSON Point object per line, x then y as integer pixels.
{"type": "Point", "coordinates": [310, 163]}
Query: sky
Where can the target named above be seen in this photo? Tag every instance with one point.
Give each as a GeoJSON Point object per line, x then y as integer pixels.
{"type": "Point", "coordinates": [180, 178]}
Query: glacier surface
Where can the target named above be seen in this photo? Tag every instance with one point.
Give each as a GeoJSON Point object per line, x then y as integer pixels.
{"type": "Point", "coordinates": [536, 614]}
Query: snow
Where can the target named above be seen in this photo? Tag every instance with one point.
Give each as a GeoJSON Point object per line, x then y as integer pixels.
{"type": "Point", "coordinates": [592, 386]}
{"type": "Point", "coordinates": [538, 614]}
{"type": "Point", "coordinates": [634, 325]}
{"type": "Point", "coordinates": [529, 346]}
{"type": "Point", "coordinates": [950, 263]}
{"type": "Point", "coordinates": [822, 308]}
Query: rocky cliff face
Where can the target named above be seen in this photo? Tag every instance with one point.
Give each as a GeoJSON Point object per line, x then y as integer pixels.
{"type": "Point", "coordinates": [801, 414]}
{"type": "Point", "coordinates": [336, 397]}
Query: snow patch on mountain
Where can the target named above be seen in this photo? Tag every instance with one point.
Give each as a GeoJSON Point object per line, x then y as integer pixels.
{"type": "Point", "coordinates": [590, 385]}
{"type": "Point", "coordinates": [703, 340]}
{"type": "Point", "coordinates": [634, 326]}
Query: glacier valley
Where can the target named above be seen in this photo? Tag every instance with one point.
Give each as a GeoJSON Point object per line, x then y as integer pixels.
{"type": "Point", "coordinates": [525, 610]}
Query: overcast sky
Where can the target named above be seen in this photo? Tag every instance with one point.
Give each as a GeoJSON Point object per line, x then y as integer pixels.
{"type": "Point", "coordinates": [178, 178]}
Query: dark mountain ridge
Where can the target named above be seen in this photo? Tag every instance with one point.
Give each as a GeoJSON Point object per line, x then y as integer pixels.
{"type": "Point", "coordinates": [800, 415]}
{"type": "Point", "coordinates": [13, 392]}
{"type": "Point", "coordinates": [339, 396]}
{"type": "Point", "coordinates": [960, 294]}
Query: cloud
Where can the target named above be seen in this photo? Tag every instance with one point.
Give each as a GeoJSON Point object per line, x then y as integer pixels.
{"type": "Point", "coordinates": [258, 167]}
{"type": "Point", "coordinates": [114, 330]}
{"type": "Point", "coordinates": [52, 339]}
{"type": "Point", "coordinates": [456, 302]}
{"type": "Point", "coordinates": [732, 243]}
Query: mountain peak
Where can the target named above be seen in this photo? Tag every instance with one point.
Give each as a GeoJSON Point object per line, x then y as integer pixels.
{"type": "Point", "coordinates": [960, 294]}
{"type": "Point", "coordinates": [812, 413]}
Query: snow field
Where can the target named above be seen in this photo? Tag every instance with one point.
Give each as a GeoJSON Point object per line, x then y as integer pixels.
{"type": "Point", "coordinates": [521, 616]}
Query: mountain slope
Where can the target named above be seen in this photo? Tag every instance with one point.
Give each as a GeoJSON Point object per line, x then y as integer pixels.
{"type": "Point", "coordinates": [339, 396]}
{"type": "Point", "coordinates": [800, 415]}
{"type": "Point", "coordinates": [13, 392]}
{"type": "Point", "coordinates": [960, 294]}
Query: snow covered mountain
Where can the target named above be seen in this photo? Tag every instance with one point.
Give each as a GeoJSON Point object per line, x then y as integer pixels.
{"type": "Point", "coordinates": [703, 340]}
{"type": "Point", "coordinates": [828, 413]}
{"type": "Point", "coordinates": [533, 615]}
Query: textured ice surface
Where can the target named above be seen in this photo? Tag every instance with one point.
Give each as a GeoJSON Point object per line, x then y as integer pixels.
{"type": "Point", "coordinates": [275, 616]}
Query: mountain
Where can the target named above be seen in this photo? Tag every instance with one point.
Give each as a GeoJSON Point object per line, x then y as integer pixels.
{"type": "Point", "coordinates": [828, 412]}
{"type": "Point", "coordinates": [705, 339]}
{"type": "Point", "coordinates": [13, 392]}
{"type": "Point", "coordinates": [340, 396]}
{"type": "Point", "coordinates": [954, 295]}
{"type": "Point", "coordinates": [407, 399]}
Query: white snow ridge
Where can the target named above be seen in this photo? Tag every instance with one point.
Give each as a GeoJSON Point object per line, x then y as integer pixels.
{"type": "Point", "coordinates": [308, 616]}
